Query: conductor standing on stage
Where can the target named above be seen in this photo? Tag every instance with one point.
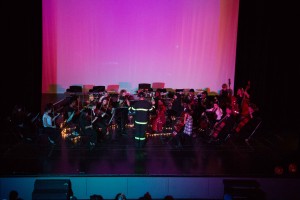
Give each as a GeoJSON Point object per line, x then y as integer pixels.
{"type": "Point", "coordinates": [141, 108]}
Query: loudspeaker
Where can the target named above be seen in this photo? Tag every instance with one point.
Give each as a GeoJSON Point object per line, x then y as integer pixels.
{"type": "Point", "coordinates": [75, 88]}
{"type": "Point", "coordinates": [52, 189]}
{"type": "Point", "coordinates": [98, 89]}
{"type": "Point", "coordinates": [242, 189]}
{"type": "Point", "coordinates": [178, 90]}
{"type": "Point", "coordinates": [144, 86]}
{"type": "Point", "coordinates": [164, 90]}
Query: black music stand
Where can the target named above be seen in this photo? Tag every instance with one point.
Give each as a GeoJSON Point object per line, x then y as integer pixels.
{"type": "Point", "coordinates": [121, 117]}
{"type": "Point", "coordinates": [97, 89]}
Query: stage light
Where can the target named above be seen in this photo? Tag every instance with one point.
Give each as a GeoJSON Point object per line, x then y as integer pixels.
{"type": "Point", "coordinates": [292, 168]}
{"type": "Point", "coordinates": [278, 170]}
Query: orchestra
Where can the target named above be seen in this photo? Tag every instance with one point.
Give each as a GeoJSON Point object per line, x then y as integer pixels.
{"type": "Point", "coordinates": [110, 112]}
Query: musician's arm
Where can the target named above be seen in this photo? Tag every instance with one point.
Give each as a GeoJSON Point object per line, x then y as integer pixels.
{"type": "Point", "coordinates": [89, 126]}
{"type": "Point", "coordinates": [94, 119]}
{"type": "Point", "coordinates": [128, 102]}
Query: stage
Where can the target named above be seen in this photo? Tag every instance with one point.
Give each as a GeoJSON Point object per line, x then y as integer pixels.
{"type": "Point", "coordinates": [160, 157]}
{"type": "Point", "coordinates": [116, 157]}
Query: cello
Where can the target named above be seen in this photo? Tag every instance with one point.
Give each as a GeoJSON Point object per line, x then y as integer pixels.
{"type": "Point", "coordinates": [218, 128]}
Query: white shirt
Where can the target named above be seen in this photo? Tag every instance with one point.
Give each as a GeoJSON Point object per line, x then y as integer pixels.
{"type": "Point", "coordinates": [47, 120]}
{"type": "Point", "coordinates": [218, 112]}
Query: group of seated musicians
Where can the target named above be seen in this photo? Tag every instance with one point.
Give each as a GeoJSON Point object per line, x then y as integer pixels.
{"type": "Point", "coordinates": [216, 117]}
{"type": "Point", "coordinates": [95, 116]}
{"type": "Point", "coordinates": [210, 115]}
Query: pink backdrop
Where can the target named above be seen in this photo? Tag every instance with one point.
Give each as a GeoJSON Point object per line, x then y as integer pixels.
{"type": "Point", "coordinates": [183, 43]}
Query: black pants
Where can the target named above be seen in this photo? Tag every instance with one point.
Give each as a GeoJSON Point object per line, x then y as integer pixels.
{"type": "Point", "coordinates": [91, 134]}
{"type": "Point", "coordinates": [122, 119]}
{"type": "Point", "coordinates": [140, 134]}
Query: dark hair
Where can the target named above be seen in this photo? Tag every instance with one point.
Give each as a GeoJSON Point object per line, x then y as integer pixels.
{"type": "Point", "coordinates": [96, 197]}
{"type": "Point", "coordinates": [13, 195]}
{"type": "Point", "coordinates": [141, 94]}
{"type": "Point", "coordinates": [189, 111]}
{"type": "Point", "coordinates": [123, 91]}
{"type": "Point", "coordinates": [49, 106]}
{"type": "Point", "coordinates": [73, 99]}
{"type": "Point", "coordinates": [87, 110]}
{"type": "Point", "coordinates": [104, 98]}
{"type": "Point", "coordinates": [147, 196]}
{"type": "Point", "coordinates": [120, 196]}
{"type": "Point", "coordinates": [204, 92]}
{"type": "Point", "coordinates": [224, 85]}
{"type": "Point", "coordinates": [169, 197]}
{"type": "Point", "coordinates": [229, 107]}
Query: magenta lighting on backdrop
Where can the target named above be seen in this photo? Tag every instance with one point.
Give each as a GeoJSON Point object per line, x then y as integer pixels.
{"type": "Point", "coordinates": [182, 43]}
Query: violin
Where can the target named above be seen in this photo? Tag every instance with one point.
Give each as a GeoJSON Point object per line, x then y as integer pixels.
{"type": "Point", "coordinates": [104, 110]}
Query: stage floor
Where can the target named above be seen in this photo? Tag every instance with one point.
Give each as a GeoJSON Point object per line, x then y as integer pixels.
{"type": "Point", "coordinates": [117, 156]}
{"type": "Point", "coordinates": [235, 158]}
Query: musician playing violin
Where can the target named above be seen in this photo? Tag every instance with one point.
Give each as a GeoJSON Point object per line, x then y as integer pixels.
{"type": "Point", "coordinates": [71, 112]}
{"type": "Point", "coordinates": [91, 100]}
{"type": "Point", "coordinates": [102, 115]}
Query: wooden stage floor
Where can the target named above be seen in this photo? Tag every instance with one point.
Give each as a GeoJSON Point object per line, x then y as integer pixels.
{"type": "Point", "coordinates": [118, 157]}
{"type": "Point", "coordinates": [257, 158]}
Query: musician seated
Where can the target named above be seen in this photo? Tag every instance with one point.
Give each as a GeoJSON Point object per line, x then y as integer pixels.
{"type": "Point", "coordinates": [224, 128]}
{"type": "Point", "coordinates": [86, 127]}
{"type": "Point", "coordinates": [215, 113]}
{"type": "Point", "coordinates": [246, 120]}
{"type": "Point", "coordinates": [22, 123]}
{"type": "Point", "coordinates": [91, 101]}
{"type": "Point", "coordinates": [49, 126]}
{"type": "Point", "coordinates": [103, 113]}
{"type": "Point", "coordinates": [71, 111]}
{"type": "Point", "coordinates": [184, 129]}
{"type": "Point", "coordinates": [105, 94]}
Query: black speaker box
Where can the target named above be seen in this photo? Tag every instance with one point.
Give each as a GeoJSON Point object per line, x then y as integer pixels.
{"type": "Point", "coordinates": [164, 90]}
{"type": "Point", "coordinates": [75, 88]}
{"type": "Point", "coordinates": [178, 90]}
{"type": "Point", "coordinates": [52, 189]}
{"type": "Point", "coordinates": [144, 86]}
{"type": "Point", "coordinates": [243, 189]}
{"type": "Point", "coordinates": [100, 88]}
